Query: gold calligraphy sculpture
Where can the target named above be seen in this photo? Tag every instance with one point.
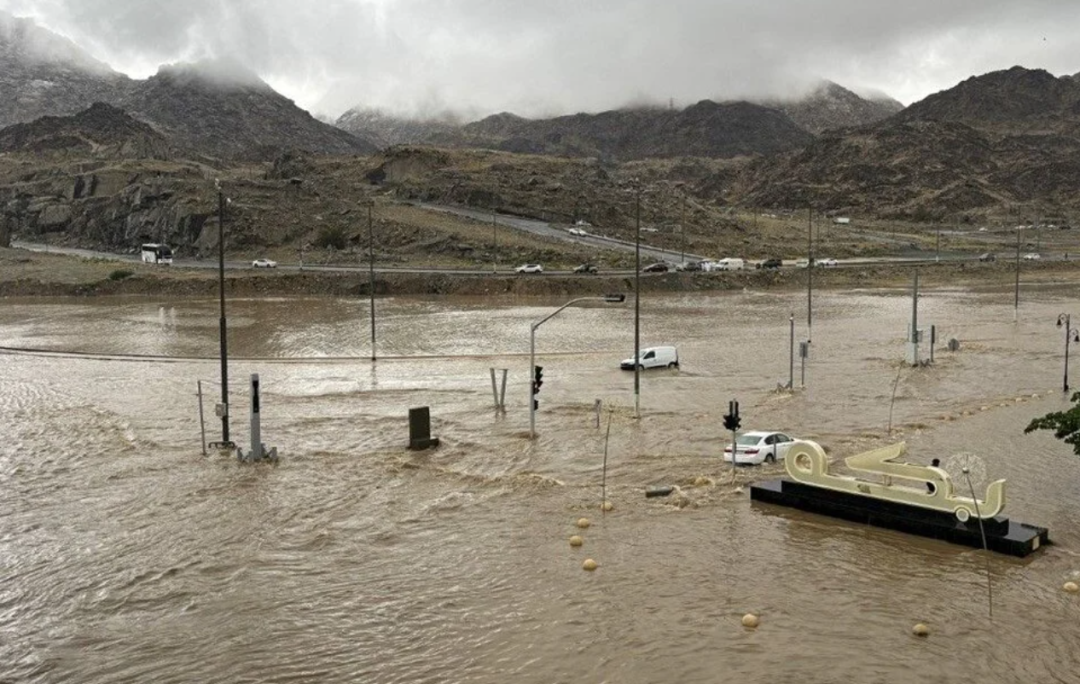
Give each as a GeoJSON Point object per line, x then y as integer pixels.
{"type": "Point", "coordinates": [806, 463]}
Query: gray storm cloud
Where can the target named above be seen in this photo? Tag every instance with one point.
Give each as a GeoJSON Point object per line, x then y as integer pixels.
{"type": "Point", "coordinates": [559, 56]}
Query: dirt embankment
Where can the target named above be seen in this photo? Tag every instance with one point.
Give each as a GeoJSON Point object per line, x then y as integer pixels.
{"type": "Point", "coordinates": [24, 274]}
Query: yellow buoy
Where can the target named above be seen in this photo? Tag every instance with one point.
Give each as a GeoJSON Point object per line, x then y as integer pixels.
{"type": "Point", "coordinates": [920, 630]}
{"type": "Point", "coordinates": [589, 564]}
{"type": "Point", "coordinates": [607, 506]}
{"type": "Point", "coordinates": [576, 541]}
{"type": "Point", "coordinates": [583, 523]}
{"type": "Point", "coordinates": [750, 621]}
{"type": "Point", "coordinates": [1071, 587]}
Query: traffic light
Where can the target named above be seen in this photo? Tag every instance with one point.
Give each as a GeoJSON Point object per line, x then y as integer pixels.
{"type": "Point", "coordinates": [732, 421]}
{"type": "Point", "coordinates": [539, 379]}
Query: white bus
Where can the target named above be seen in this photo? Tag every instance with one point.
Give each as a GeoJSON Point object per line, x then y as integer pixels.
{"type": "Point", "coordinates": [154, 253]}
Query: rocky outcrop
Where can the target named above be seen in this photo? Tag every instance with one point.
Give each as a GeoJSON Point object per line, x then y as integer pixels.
{"type": "Point", "coordinates": [100, 132]}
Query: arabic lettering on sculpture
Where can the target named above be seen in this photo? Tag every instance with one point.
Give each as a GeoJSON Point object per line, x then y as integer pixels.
{"type": "Point", "coordinates": [806, 462]}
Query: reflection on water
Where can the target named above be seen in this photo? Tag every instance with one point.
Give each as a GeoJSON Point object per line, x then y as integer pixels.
{"type": "Point", "coordinates": [127, 556]}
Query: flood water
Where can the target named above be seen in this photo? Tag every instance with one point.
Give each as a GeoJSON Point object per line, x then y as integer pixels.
{"type": "Point", "coordinates": [129, 556]}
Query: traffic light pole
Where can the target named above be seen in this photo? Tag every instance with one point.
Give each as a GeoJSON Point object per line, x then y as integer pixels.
{"type": "Point", "coordinates": [533, 380]}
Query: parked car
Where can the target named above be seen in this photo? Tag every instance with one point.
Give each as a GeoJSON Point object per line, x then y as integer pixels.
{"type": "Point", "coordinates": [529, 268]}
{"type": "Point", "coordinates": [802, 263]}
{"type": "Point", "coordinates": [264, 263]}
{"type": "Point", "coordinates": [771, 263]}
{"type": "Point", "coordinates": [658, 267]}
{"type": "Point", "coordinates": [757, 447]}
{"type": "Point", "coordinates": [653, 357]}
{"type": "Point", "coordinates": [988, 256]}
{"type": "Point", "coordinates": [586, 268]}
{"type": "Point", "coordinates": [577, 231]}
{"type": "Point", "coordinates": [827, 262]}
{"type": "Point", "coordinates": [689, 266]}
{"type": "Point", "coordinates": [728, 264]}
{"type": "Point", "coordinates": [1032, 256]}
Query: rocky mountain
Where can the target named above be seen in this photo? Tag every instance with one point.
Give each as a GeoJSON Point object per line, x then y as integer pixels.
{"type": "Point", "coordinates": [706, 129]}
{"type": "Point", "coordinates": [210, 109]}
{"type": "Point", "coordinates": [1013, 101]}
{"type": "Point", "coordinates": [1002, 140]}
{"type": "Point", "coordinates": [43, 74]}
{"type": "Point", "coordinates": [221, 110]}
{"type": "Point", "coordinates": [385, 130]}
{"type": "Point", "coordinates": [830, 106]}
{"type": "Point", "coordinates": [102, 131]}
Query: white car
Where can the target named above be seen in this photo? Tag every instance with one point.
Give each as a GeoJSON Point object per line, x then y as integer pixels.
{"type": "Point", "coordinates": [827, 262]}
{"type": "Point", "coordinates": [529, 268]}
{"type": "Point", "coordinates": [1032, 256]}
{"type": "Point", "coordinates": [757, 447]}
{"type": "Point", "coordinates": [578, 232]}
{"type": "Point", "coordinates": [264, 263]}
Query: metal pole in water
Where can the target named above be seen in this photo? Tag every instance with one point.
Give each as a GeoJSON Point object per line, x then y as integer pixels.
{"type": "Point", "coordinates": [202, 424]}
{"type": "Point", "coordinates": [371, 278]}
{"type": "Point", "coordinates": [809, 271]}
{"type": "Point", "coordinates": [221, 322]}
{"type": "Point", "coordinates": [532, 381]}
{"type": "Point", "coordinates": [986, 551]}
{"type": "Point", "coordinates": [791, 355]}
{"type": "Point", "coordinates": [637, 309]}
{"type": "Point", "coordinates": [256, 452]}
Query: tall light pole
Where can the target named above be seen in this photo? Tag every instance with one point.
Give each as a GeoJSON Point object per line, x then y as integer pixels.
{"type": "Point", "coordinates": [609, 298]}
{"type": "Point", "coordinates": [221, 322]}
{"type": "Point", "coordinates": [1016, 296]}
{"type": "Point", "coordinates": [371, 276]}
{"type": "Point", "coordinates": [637, 306]}
{"type": "Point", "coordinates": [1071, 335]}
{"type": "Point", "coordinates": [809, 272]}
{"type": "Point", "coordinates": [791, 355]}
{"type": "Point", "coordinates": [494, 238]}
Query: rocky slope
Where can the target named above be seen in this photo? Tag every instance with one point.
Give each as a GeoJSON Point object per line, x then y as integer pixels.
{"type": "Point", "coordinates": [830, 106]}
{"type": "Point", "coordinates": [100, 132]}
{"type": "Point", "coordinates": [42, 74]}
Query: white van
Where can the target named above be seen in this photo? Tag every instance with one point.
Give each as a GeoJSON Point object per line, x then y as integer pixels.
{"type": "Point", "coordinates": [730, 264]}
{"type": "Point", "coordinates": [654, 357]}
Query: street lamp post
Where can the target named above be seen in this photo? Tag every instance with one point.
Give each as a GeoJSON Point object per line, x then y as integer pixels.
{"type": "Point", "coordinates": [809, 271]}
{"type": "Point", "coordinates": [370, 272]}
{"type": "Point", "coordinates": [609, 298]}
{"type": "Point", "coordinates": [1071, 335]}
{"type": "Point", "coordinates": [791, 355]}
{"type": "Point", "coordinates": [225, 441]}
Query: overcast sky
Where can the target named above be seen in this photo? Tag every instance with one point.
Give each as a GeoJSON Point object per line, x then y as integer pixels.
{"type": "Point", "coordinates": [543, 57]}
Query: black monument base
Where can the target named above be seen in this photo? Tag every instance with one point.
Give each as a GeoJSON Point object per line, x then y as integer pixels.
{"type": "Point", "coordinates": [1002, 534]}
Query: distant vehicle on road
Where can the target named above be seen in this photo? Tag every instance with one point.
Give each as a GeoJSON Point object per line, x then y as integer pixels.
{"type": "Point", "coordinates": [727, 264]}
{"type": "Point", "coordinates": [264, 263]}
{"type": "Point", "coordinates": [689, 266]}
{"type": "Point", "coordinates": [771, 263]}
{"type": "Point", "coordinates": [653, 357]}
{"type": "Point", "coordinates": [586, 268]}
{"type": "Point", "coordinates": [658, 267]}
{"type": "Point", "coordinates": [154, 253]}
{"type": "Point", "coordinates": [1032, 256]}
{"type": "Point", "coordinates": [577, 231]}
{"type": "Point", "coordinates": [988, 256]}
{"type": "Point", "coordinates": [757, 447]}
{"type": "Point", "coordinates": [827, 262]}
{"type": "Point", "coordinates": [529, 268]}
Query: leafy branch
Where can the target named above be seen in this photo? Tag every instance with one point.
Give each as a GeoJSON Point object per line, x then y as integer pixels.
{"type": "Point", "coordinates": [1065, 424]}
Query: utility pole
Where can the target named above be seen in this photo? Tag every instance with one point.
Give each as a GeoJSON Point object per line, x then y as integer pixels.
{"type": "Point", "coordinates": [494, 238]}
{"type": "Point", "coordinates": [371, 276]}
{"type": "Point", "coordinates": [809, 271]}
{"type": "Point", "coordinates": [221, 321]}
{"type": "Point", "coordinates": [683, 261]}
{"type": "Point", "coordinates": [791, 355]}
{"type": "Point", "coordinates": [1016, 297]}
{"type": "Point", "coordinates": [637, 305]}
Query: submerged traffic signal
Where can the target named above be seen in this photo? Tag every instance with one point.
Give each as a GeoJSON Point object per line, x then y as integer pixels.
{"type": "Point", "coordinates": [732, 421]}
{"type": "Point", "coordinates": [538, 379]}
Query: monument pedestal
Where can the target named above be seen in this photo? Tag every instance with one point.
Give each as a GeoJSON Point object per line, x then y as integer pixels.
{"type": "Point", "coordinates": [1002, 535]}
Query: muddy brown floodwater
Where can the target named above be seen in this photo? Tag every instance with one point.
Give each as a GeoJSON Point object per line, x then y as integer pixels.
{"type": "Point", "coordinates": [128, 556]}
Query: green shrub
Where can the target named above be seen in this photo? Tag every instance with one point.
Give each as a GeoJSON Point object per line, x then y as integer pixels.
{"type": "Point", "coordinates": [120, 274]}
{"type": "Point", "coordinates": [331, 236]}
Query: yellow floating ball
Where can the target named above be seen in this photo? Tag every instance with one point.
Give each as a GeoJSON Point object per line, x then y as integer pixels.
{"type": "Point", "coordinates": [589, 565]}
{"type": "Point", "coordinates": [607, 506]}
{"type": "Point", "coordinates": [920, 630]}
{"type": "Point", "coordinates": [576, 541]}
{"type": "Point", "coordinates": [750, 621]}
{"type": "Point", "coordinates": [583, 523]}
{"type": "Point", "coordinates": [1071, 587]}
